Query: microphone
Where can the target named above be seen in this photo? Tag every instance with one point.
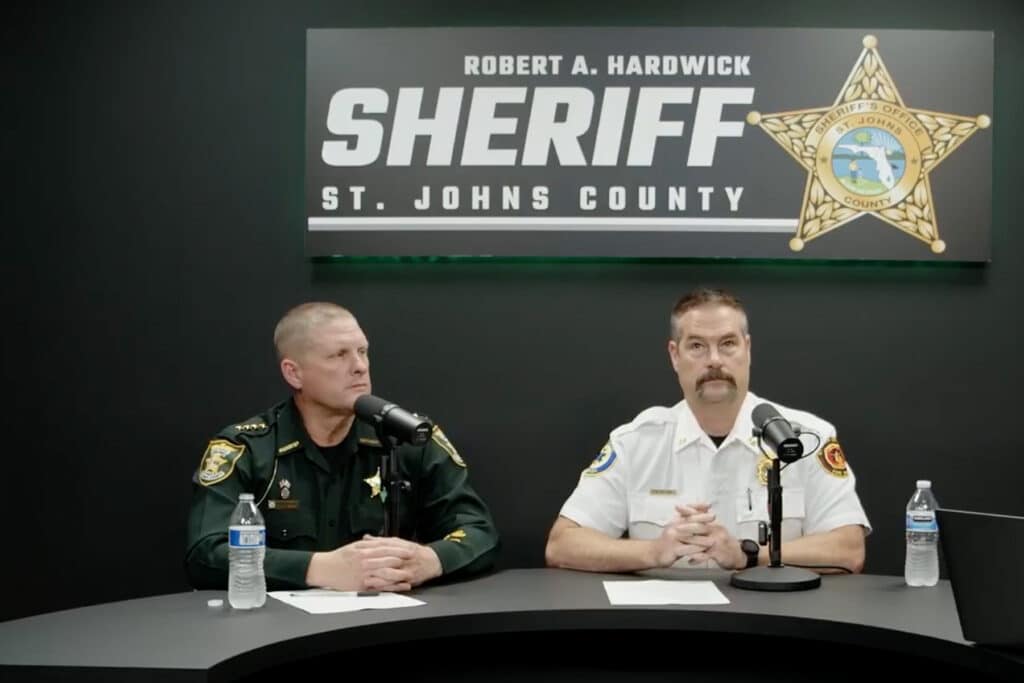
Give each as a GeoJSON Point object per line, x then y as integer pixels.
{"type": "Point", "coordinates": [778, 433]}
{"type": "Point", "coordinates": [781, 435]}
{"type": "Point", "coordinates": [390, 420]}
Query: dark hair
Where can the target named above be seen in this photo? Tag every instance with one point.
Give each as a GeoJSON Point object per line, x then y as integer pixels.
{"type": "Point", "coordinates": [703, 296]}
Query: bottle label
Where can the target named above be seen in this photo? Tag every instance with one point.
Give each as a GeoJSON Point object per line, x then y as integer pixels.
{"type": "Point", "coordinates": [922, 520]}
{"type": "Point", "coordinates": [247, 536]}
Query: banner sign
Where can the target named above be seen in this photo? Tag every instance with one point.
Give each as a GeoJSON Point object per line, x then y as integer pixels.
{"type": "Point", "coordinates": [640, 142]}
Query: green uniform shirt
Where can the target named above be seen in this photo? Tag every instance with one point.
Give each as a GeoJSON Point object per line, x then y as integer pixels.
{"type": "Point", "coordinates": [317, 499]}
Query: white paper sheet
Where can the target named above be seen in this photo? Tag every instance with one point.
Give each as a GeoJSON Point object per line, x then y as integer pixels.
{"type": "Point", "coordinates": [659, 592]}
{"type": "Point", "coordinates": [317, 601]}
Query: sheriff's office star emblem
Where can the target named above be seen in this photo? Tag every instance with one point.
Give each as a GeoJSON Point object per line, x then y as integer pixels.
{"type": "Point", "coordinates": [763, 465]}
{"type": "Point", "coordinates": [868, 153]}
{"type": "Point", "coordinates": [374, 484]}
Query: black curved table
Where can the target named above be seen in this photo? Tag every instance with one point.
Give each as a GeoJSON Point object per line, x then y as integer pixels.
{"type": "Point", "coordinates": [178, 638]}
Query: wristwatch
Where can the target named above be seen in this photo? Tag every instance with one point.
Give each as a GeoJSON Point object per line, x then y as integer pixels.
{"type": "Point", "coordinates": [751, 549]}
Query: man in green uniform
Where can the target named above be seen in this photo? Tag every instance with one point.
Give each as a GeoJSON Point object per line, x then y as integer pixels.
{"type": "Point", "coordinates": [315, 474]}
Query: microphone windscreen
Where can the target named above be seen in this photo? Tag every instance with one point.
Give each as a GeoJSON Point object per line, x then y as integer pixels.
{"type": "Point", "coordinates": [369, 406]}
{"type": "Point", "coordinates": [762, 413]}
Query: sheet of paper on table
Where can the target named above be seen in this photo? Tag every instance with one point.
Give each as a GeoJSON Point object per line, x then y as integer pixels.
{"type": "Point", "coordinates": [318, 601]}
{"type": "Point", "coordinates": [660, 592]}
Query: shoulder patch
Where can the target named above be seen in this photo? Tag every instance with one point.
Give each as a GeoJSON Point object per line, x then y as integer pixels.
{"type": "Point", "coordinates": [219, 461]}
{"type": "Point", "coordinates": [441, 440]}
{"type": "Point", "coordinates": [832, 459]}
{"type": "Point", "coordinates": [604, 460]}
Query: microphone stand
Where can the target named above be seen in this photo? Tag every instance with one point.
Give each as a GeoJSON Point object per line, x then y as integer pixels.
{"type": "Point", "coordinates": [776, 576]}
{"type": "Point", "coordinates": [392, 485]}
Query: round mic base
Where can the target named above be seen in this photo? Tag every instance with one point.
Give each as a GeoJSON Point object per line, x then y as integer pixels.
{"type": "Point", "coordinates": [776, 579]}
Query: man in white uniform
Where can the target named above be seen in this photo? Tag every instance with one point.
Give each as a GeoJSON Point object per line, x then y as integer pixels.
{"type": "Point", "coordinates": [686, 486]}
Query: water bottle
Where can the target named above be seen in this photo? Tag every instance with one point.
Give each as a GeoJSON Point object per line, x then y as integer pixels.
{"type": "Point", "coordinates": [247, 542]}
{"type": "Point", "coordinates": [922, 565]}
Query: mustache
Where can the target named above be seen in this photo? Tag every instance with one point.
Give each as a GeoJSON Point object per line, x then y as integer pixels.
{"type": "Point", "coordinates": [716, 374]}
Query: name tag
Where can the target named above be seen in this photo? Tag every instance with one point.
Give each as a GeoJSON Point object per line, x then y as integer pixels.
{"type": "Point", "coordinates": [663, 492]}
{"type": "Point", "coordinates": [290, 504]}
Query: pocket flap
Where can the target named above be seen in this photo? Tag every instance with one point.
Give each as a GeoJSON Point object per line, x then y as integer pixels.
{"type": "Point", "coordinates": [754, 506]}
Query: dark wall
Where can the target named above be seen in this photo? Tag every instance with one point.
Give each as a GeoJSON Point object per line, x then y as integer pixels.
{"type": "Point", "coordinates": [153, 223]}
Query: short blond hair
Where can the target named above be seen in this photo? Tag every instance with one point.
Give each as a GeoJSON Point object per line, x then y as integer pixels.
{"type": "Point", "coordinates": [291, 336]}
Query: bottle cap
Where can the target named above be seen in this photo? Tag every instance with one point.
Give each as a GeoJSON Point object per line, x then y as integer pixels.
{"type": "Point", "coordinates": [245, 496]}
{"type": "Point", "coordinates": [924, 484]}
{"type": "Point", "coordinates": [215, 602]}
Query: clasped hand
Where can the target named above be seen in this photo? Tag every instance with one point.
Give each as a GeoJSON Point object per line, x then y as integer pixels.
{"type": "Point", "coordinates": [693, 533]}
{"type": "Point", "coordinates": [374, 563]}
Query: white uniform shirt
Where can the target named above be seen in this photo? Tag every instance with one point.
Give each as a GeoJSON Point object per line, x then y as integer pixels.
{"type": "Point", "coordinates": [663, 458]}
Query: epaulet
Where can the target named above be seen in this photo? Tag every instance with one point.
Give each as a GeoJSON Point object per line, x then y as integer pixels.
{"type": "Point", "coordinates": [658, 415]}
{"type": "Point", "coordinates": [441, 440]}
{"type": "Point", "coordinates": [253, 426]}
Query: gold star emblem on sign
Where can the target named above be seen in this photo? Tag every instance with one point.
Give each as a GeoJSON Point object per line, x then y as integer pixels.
{"type": "Point", "coordinates": [868, 154]}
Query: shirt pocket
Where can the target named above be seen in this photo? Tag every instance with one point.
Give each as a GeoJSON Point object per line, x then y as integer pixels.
{"type": "Point", "coordinates": [649, 514]}
{"type": "Point", "coordinates": [752, 507]}
{"type": "Point", "coordinates": [366, 515]}
{"type": "Point", "coordinates": [291, 529]}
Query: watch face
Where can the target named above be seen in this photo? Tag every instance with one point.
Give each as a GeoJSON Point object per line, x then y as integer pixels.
{"type": "Point", "coordinates": [751, 548]}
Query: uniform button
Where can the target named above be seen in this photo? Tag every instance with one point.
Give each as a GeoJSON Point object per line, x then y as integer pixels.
{"type": "Point", "coordinates": [330, 523]}
{"type": "Point", "coordinates": [284, 533]}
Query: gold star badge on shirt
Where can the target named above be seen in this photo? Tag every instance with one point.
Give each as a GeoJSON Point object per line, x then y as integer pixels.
{"type": "Point", "coordinates": [374, 484]}
{"type": "Point", "coordinates": [764, 464]}
{"type": "Point", "coordinates": [868, 153]}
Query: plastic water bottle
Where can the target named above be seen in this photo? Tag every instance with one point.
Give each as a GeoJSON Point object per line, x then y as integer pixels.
{"type": "Point", "coordinates": [922, 565]}
{"type": "Point", "coordinates": [247, 543]}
